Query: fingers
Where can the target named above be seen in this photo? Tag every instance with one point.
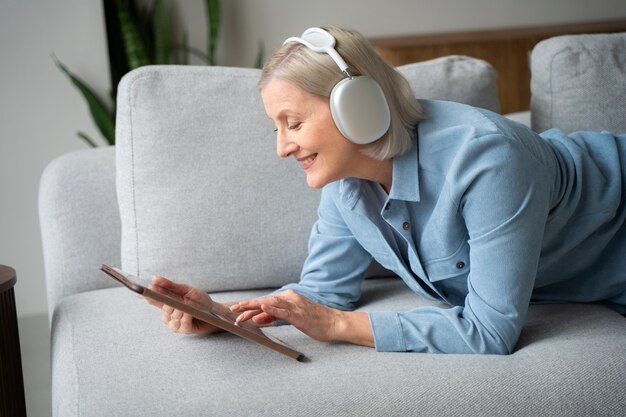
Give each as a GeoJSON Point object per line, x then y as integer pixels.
{"type": "Point", "coordinates": [263, 310]}
{"type": "Point", "coordinates": [274, 300]}
{"type": "Point", "coordinates": [247, 315]}
{"type": "Point", "coordinates": [263, 319]}
{"type": "Point", "coordinates": [278, 313]}
{"type": "Point", "coordinates": [166, 314]}
{"type": "Point", "coordinates": [256, 316]}
{"type": "Point", "coordinates": [176, 320]}
{"type": "Point", "coordinates": [159, 282]}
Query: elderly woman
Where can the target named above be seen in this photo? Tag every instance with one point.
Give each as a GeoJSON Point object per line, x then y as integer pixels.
{"type": "Point", "coordinates": [461, 203]}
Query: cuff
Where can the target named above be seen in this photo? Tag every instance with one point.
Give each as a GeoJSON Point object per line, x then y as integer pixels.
{"type": "Point", "coordinates": [387, 332]}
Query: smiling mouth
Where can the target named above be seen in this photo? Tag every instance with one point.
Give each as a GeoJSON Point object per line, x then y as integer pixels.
{"type": "Point", "coordinates": [308, 161]}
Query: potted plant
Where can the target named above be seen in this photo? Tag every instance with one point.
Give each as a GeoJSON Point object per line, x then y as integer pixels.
{"type": "Point", "coordinates": [139, 37]}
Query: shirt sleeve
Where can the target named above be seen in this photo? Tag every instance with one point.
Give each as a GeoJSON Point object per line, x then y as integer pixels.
{"type": "Point", "coordinates": [502, 190]}
{"type": "Point", "coordinates": [336, 263]}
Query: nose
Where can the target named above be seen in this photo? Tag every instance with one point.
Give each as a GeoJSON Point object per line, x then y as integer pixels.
{"type": "Point", "coordinates": [284, 146]}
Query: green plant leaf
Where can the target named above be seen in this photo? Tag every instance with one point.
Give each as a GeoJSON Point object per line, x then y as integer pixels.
{"type": "Point", "coordinates": [133, 45]}
{"type": "Point", "coordinates": [260, 56]}
{"type": "Point", "coordinates": [102, 116]}
{"type": "Point", "coordinates": [161, 33]}
{"type": "Point", "coordinates": [87, 139]}
{"type": "Point", "coordinates": [213, 21]}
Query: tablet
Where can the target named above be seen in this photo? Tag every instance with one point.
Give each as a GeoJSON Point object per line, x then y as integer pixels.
{"type": "Point", "coordinates": [206, 314]}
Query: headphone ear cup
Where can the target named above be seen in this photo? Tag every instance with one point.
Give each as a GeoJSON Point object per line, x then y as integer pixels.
{"type": "Point", "coordinates": [359, 109]}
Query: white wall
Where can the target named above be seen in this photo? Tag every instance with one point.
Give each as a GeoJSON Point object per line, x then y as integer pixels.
{"type": "Point", "coordinates": [40, 112]}
{"type": "Point", "coordinates": [39, 116]}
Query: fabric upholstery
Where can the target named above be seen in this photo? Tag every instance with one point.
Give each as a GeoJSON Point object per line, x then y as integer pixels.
{"type": "Point", "coordinates": [200, 186]}
{"type": "Point", "coordinates": [203, 196]}
{"type": "Point", "coordinates": [113, 357]}
{"type": "Point", "coordinates": [454, 78]}
{"type": "Point", "coordinates": [79, 221]}
{"type": "Point", "coordinates": [579, 83]}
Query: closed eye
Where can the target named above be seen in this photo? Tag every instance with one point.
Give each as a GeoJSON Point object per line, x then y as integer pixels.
{"type": "Point", "coordinates": [294, 126]}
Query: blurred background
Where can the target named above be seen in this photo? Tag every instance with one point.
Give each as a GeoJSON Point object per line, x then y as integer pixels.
{"type": "Point", "coordinates": [41, 111]}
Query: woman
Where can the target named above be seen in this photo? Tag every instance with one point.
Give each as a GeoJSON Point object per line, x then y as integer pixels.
{"type": "Point", "coordinates": [464, 205]}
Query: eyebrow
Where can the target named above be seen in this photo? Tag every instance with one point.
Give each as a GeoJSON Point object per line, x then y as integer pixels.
{"type": "Point", "coordinates": [284, 113]}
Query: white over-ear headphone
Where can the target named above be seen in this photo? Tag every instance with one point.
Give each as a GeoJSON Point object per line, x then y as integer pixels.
{"type": "Point", "coordinates": [357, 103]}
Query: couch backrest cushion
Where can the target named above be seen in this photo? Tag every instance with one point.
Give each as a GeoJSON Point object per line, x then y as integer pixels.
{"type": "Point", "coordinates": [203, 197]}
{"type": "Point", "coordinates": [579, 83]}
{"type": "Point", "coordinates": [454, 78]}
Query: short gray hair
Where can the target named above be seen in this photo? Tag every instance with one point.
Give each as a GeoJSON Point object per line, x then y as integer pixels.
{"type": "Point", "coordinates": [317, 74]}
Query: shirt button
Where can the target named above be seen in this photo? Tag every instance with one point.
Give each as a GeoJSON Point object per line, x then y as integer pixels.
{"type": "Point", "coordinates": [406, 226]}
{"type": "Point", "coordinates": [460, 265]}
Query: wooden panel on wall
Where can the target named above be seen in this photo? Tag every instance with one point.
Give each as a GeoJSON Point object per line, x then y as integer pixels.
{"type": "Point", "coordinates": [508, 50]}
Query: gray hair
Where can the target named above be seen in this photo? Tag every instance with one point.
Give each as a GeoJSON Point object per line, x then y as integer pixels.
{"type": "Point", "coordinates": [317, 74]}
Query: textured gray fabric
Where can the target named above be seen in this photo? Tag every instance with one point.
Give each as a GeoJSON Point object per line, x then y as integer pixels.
{"type": "Point", "coordinates": [199, 184]}
{"type": "Point", "coordinates": [202, 194]}
{"type": "Point", "coordinates": [79, 220]}
{"type": "Point", "coordinates": [454, 78]}
{"type": "Point", "coordinates": [579, 83]}
{"type": "Point", "coordinates": [113, 357]}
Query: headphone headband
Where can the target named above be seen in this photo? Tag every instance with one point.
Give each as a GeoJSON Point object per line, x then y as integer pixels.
{"type": "Point", "coordinates": [320, 40]}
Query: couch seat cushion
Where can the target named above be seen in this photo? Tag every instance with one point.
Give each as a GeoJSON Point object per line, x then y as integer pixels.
{"type": "Point", "coordinates": [113, 357]}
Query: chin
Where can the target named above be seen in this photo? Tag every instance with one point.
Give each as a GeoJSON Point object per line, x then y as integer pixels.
{"type": "Point", "coordinates": [315, 183]}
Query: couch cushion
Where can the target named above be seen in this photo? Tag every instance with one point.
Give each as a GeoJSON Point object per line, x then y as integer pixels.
{"type": "Point", "coordinates": [200, 187]}
{"type": "Point", "coordinates": [454, 78]}
{"type": "Point", "coordinates": [202, 194]}
{"type": "Point", "coordinates": [113, 357]}
{"type": "Point", "coordinates": [579, 83]}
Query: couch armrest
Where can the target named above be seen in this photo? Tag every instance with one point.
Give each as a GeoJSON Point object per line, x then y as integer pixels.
{"type": "Point", "coordinates": [79, 220]}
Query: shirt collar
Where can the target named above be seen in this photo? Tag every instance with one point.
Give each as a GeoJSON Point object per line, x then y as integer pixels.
{"type": "Point", "coordinates": [405, 180]}
{"type": "Point", "coordinates": [404, 185]}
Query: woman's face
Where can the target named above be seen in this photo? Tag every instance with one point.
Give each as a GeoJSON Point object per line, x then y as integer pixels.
{"type": "Point", "coordinates": [305, 130]}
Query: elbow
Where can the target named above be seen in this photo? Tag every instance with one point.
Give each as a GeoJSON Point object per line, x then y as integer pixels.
{"type": "Point", "coordinates": [498, 349]}
{"type": "Point", "coordinates": [493, 343]}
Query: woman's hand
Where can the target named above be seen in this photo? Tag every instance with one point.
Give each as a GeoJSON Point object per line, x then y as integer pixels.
{"type": "Point", "coordinates": [317, 321]}
{"type": "Point", "coordinates": [176, 320]}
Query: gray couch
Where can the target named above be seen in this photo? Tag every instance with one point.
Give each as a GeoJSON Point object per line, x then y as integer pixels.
{"type": "Point", "coordinates": [193, 190]}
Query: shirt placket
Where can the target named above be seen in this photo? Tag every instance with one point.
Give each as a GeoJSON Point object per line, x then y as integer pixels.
{"type": "Point", "coordinates": [396, 216]}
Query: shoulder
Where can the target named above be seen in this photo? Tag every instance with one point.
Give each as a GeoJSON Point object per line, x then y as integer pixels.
{"type": "Point", "coordinates": [452, 130]}
{"type": "Point", "coordinates": [452, 118]}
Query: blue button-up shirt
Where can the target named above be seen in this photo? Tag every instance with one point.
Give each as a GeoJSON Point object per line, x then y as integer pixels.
{"type": "Point", "coordinates": [484, 214]}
